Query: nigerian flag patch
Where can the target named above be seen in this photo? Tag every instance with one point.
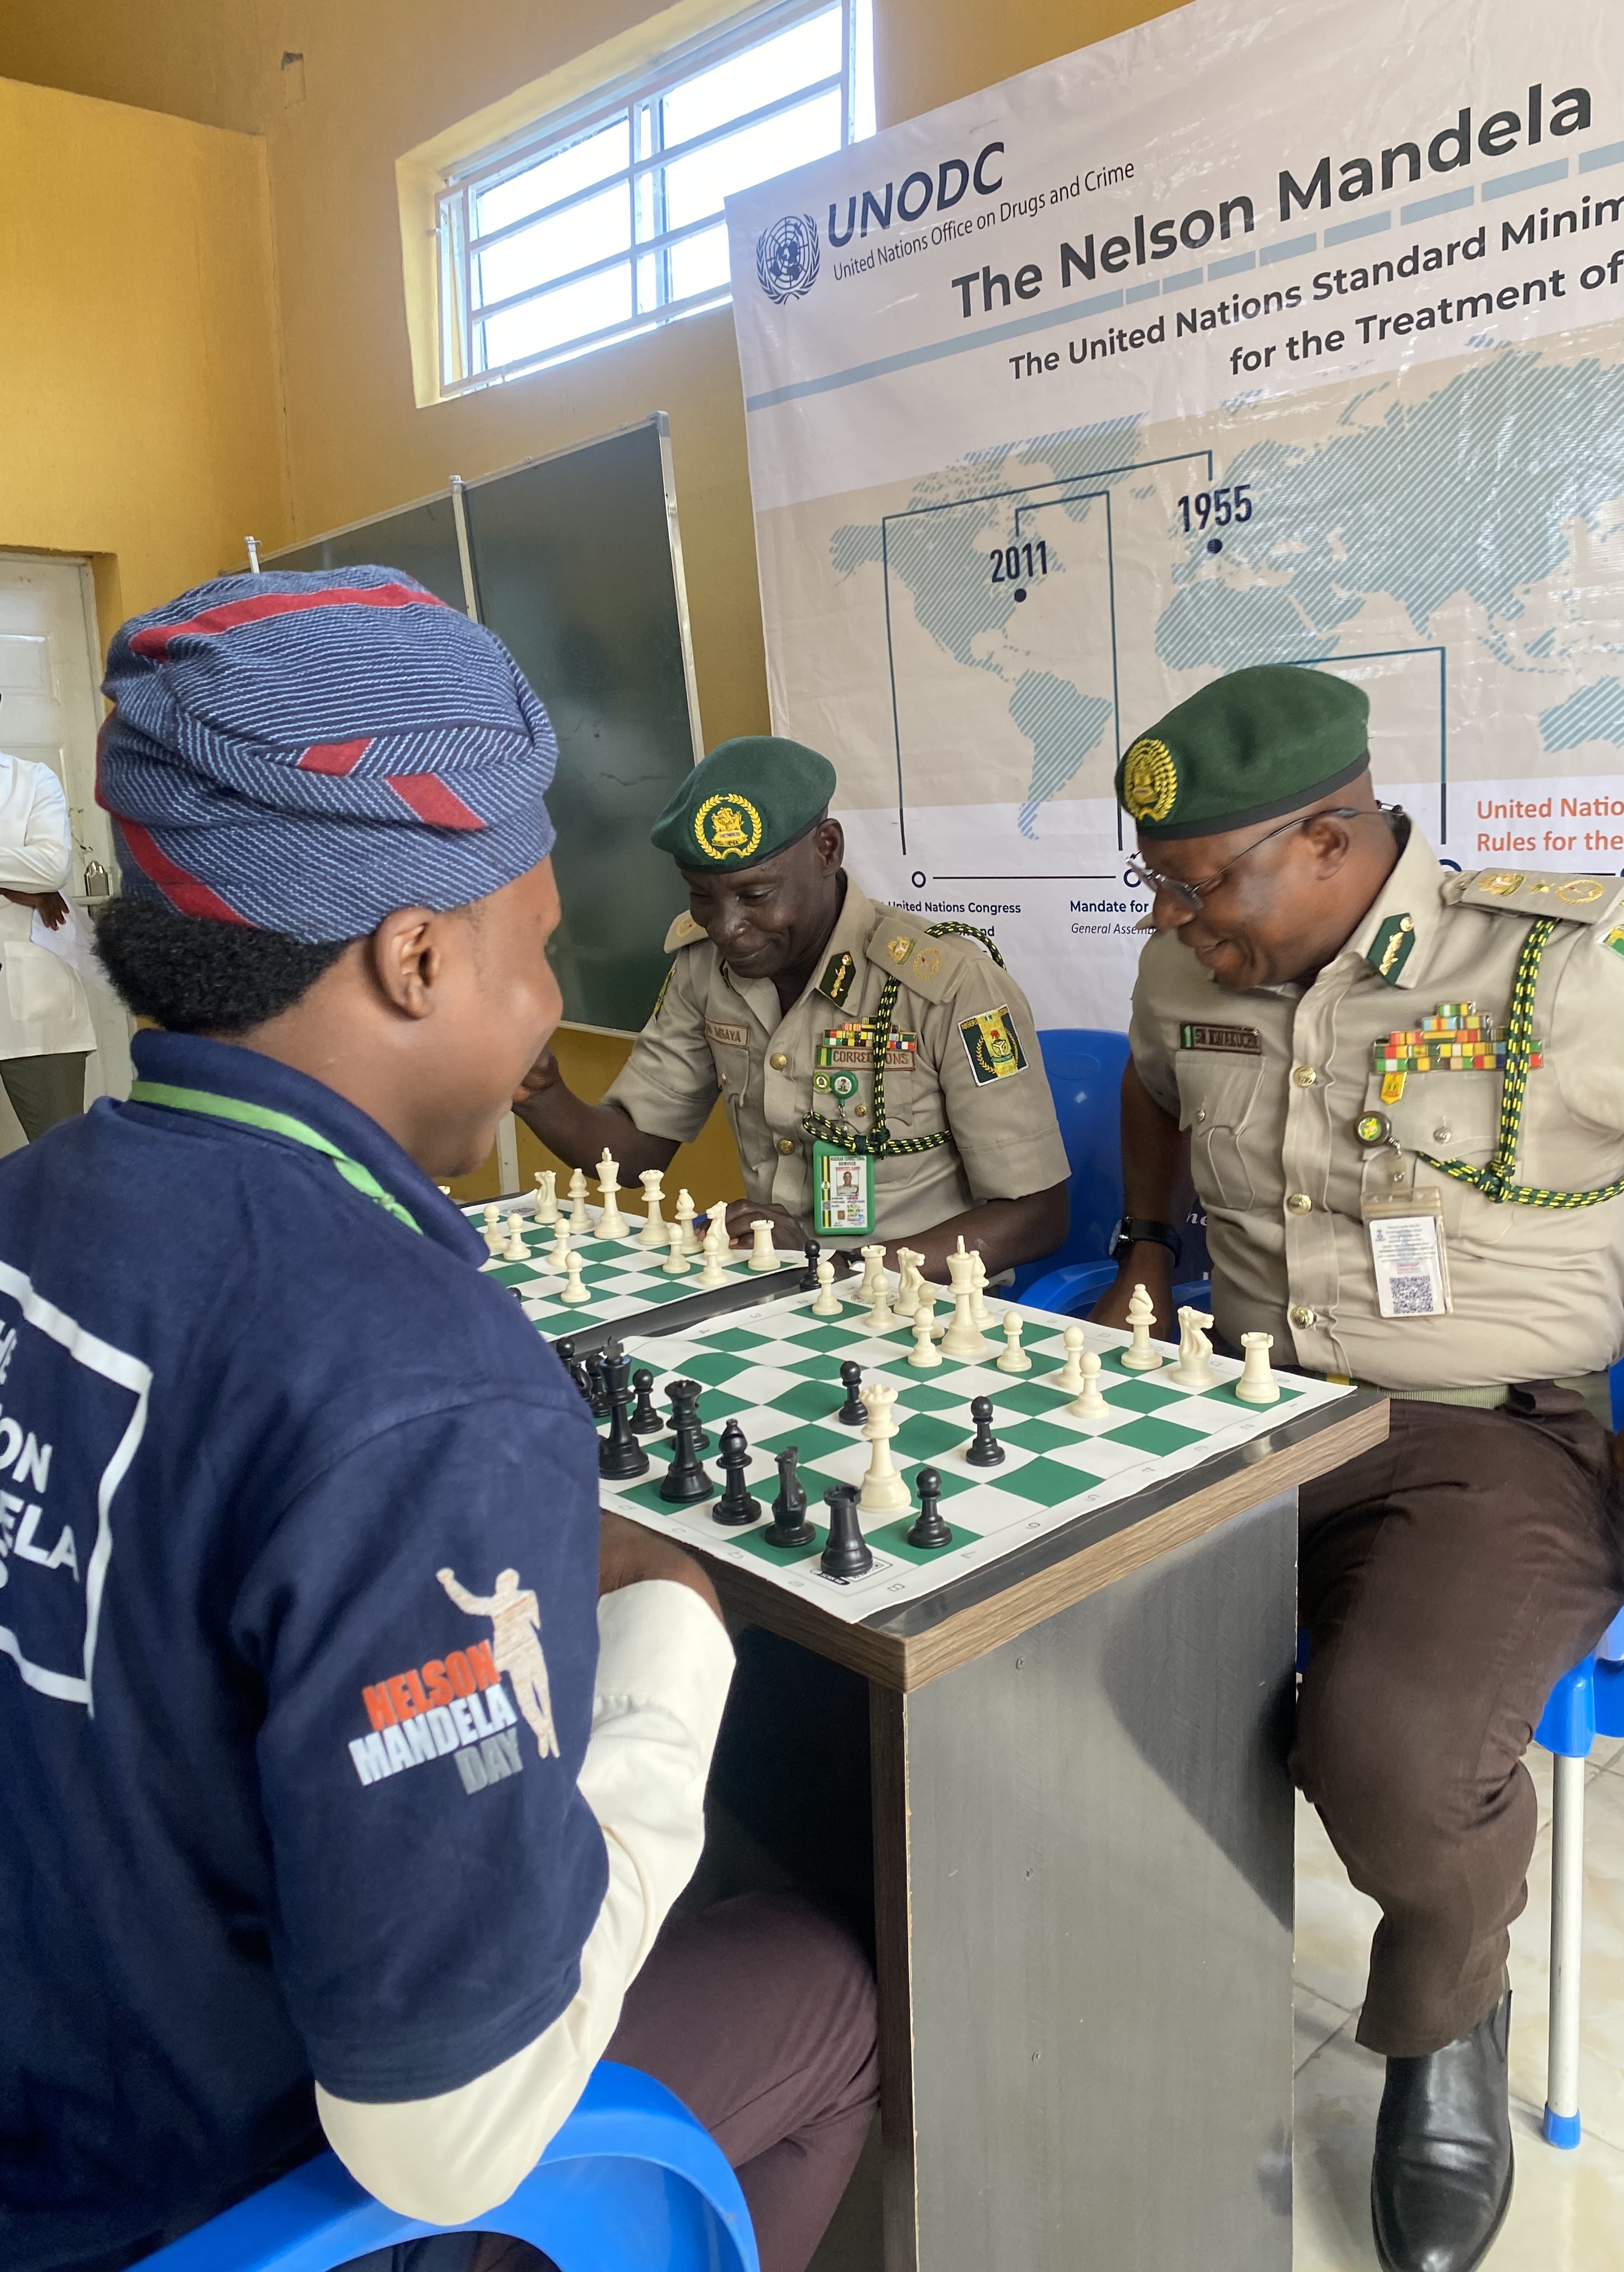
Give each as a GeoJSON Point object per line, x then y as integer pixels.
{"type": "Point", "coordinates": [991, 1045]}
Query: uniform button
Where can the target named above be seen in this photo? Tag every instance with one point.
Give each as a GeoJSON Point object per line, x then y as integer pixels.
{"type": "Point", "coordinates": [1302, 1317]}
{"type": "Point", "coordinates": [786, 1145]}
{"type": "Point", "coordinates": [1299, 1203]}
{"type": "Point", "coordinates": [778, 1060]}
{"type": "Point", "coordinates": [1444, 1135]}
{"type": "Point", "coordinates": [1201, 1112]}
{"type": "Point", "coordinates": [859, 1112]}
{"type": "Point", "coordinates": [1304, 1076]}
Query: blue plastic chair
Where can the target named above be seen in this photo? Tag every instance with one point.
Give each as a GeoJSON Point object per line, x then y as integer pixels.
{"type": "Point", "coordinates": [1085, 1077]}
{"type": "Point", "coordinates": [631, 2183]}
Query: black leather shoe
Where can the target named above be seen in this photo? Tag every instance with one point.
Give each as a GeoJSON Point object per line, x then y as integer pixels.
{"type": "Point", "coordinates": [1440, 2183]}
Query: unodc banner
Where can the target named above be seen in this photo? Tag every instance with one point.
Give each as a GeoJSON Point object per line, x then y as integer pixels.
{"type": "Point", "coordinates": [1261, 333]}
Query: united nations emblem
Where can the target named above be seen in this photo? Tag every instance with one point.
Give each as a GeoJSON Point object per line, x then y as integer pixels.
{"type": "Point", "coordinates": [1149, 779]}
{"type": "Point", "coordinates": [727, 828]}
{"type": "Point", "coordinates": [787, 258]}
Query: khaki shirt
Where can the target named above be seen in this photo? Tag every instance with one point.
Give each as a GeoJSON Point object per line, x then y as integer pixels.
{"type": "Point", "coordinates": [712, 1031]}
{"type": "Point", "coordinates": [1270, 1083]}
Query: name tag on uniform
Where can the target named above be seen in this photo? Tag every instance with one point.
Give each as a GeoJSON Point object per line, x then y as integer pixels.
{"type": "Point", "coordinates": [1407, 1254]}
{"type": "Point", "coordinates": [842, 1193]}
{"type": "Point", "coordinates": [732, 1037]}
{"type": "Point", "coordinates": [1246, 1039]}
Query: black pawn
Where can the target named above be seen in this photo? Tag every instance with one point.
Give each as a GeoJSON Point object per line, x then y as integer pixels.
{"type": "Point", "coordinates": [985, 1452]}
{"type": "Point", "coordinates": [790, 1525]}
{"type": "Point", "coordinates": [685, 1480]}
{"type": "Point", "coordinates": [701, 1441]}
{"type": "Point", "coordinates": [645, 1420]}
{"type": "Point", "coordinates": [597, 1389]}
{"type": "Point", "coordinates": [847, 1554]}
{"type": "Point", "coordinates": [576, 1369]}
{"type": "Point", "coordinates": [928, 1528]}
{"type": "Point", "coordinates": [620, 1456]}
{"type": "Point", "coordinates": [807, 1283]}
{"type": "Point", "coordinates": [853, 1412]}
{"type": "Point", "coordinates": [735, 1507]}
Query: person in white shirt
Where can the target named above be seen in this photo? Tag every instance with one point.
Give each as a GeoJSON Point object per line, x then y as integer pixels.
{"type": "Point", "coordinates": [45, 1028]}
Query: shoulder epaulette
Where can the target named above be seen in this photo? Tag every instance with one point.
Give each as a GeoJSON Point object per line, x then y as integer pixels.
{"type": "Point", "coordinates": [1530, 891]}
{"type": "Point", "coordinates": [926, 958]}
{"type": "Point", "coordinates": [684, 932]}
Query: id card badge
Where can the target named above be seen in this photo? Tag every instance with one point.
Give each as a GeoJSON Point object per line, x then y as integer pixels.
{"type": "Point", "coordinates": [842, 1193]}
{"type": "Point", "coordinates": [1407, 1253]}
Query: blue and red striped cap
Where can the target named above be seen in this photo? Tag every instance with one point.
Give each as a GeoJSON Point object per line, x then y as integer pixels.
{"type": "Point", "coordinates": [306, 753]}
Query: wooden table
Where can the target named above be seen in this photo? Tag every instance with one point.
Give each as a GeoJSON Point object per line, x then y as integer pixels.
{"type": "Point", "coordinates": [1081, 1867]}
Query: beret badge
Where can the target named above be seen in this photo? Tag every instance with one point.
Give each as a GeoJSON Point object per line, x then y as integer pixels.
{"type": "Point", "coordinates": [727, 828]}
{"type": "Point", "coordinates": [1149, 779]}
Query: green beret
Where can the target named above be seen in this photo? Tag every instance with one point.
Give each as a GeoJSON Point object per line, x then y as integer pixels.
{"type": "Point", "coordinates": [1249, 747]}
{"type": "Point", "coordinates": [747, 800]}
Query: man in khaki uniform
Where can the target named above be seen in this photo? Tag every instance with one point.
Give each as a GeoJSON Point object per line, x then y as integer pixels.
{"type": "Point", "coordinates": [882, 1074]}
{"type": "Point", "coordinates": [1400, 1094]}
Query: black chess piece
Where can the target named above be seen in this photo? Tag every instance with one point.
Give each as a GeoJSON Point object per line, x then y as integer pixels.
{"type": "Point", "coordinates": [620, 1456]}
{"type": "Point", "coordinates": [576, 1369]}
{"type": "Point", "coordinates": [986, 1451]}
{"type": "Point", "coordinates": [790, 1525]}
{"type": "Point", "coordinates": [645, 1420]}
{"type": "Point", "coordinates": [597, 1392]}
{"type": "Point", "coordinates": [928, 1528]}
{"type": "Point", "coordinates": [701, 1441]}
{"type": "Point", "coordinates": [807, 1283]}
{"type": "Point", "coordinates": [847, 1554]}
{"type": "Point", "coordinates": [735, 1507]}
{"type": "Point", "coordinates": [686, 1481]}
{"type": "Point", "coordinates": [853, 1412]}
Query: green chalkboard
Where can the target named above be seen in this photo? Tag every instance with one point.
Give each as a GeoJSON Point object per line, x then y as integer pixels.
{"type": "Point", "coordinates": [576, 567]}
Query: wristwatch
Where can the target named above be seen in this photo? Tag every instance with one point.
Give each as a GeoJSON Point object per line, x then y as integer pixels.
{"type": "Point", "coordinates": [1133, 1228]}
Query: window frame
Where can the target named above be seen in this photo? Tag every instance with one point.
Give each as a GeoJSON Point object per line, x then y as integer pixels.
{"type": "Point", "coordinates": [460, 320]}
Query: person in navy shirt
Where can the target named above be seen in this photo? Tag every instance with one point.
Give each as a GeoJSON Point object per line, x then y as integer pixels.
{"type": "Point", "coordinates": [350, 1760]}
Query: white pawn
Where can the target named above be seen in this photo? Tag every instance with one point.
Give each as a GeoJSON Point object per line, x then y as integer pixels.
{"type": "Point", "coordinates": [676, 1263]}
{"type": "Point", "coordinates": [873, 1273]}
{"type": "Point", "coordinates": [978, 1309]}
{"type": "Point", "coordinates": [1194, 1368]}
{"type": "Point", "coordinates": [1090, 1405]}
{"type": "Point", "coordinates": [1138, 1357]}
{"type": "Point", "coordinates": [560, 1247]}
{"type": "Point", "coordinates": [653, 1232]}
{"type": "Point", "coordinates": [547, 1195]}
{"type": "Point", "coordinates": [684, 1215]}
{"type": "Point", "coordinates": [493, 1226]}
{"type": "Point", "coordinates": [884, 1490]}
{"type": "Point", "coordinates": [924, 1353]}
{"type": "Point", "coordinates": [574, 1289]}
{"type": "Point", "coordinates": [761, 1254]}
{"type": "Point", "coordinates": [828, 1303]}
{"type": "Point", "coordinates": [578, 1198]}
{"type": "Point", "coordinates": [907, 1297]}
{"type": "Point", "coordinates": [881, 1317]}
{"type": "Point", "coordinates": [1071, 1372]}
{"type": "Point", "coordinates": [612, 1223]}
{"type": "Point", "coordinates": [1257, 1384]}
{"type": "Point", "coordinates": [1014, 1358]}
{"type": "Point", "coordinates": [515, 1249]}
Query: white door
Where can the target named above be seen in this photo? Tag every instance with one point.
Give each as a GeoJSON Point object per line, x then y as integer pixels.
{"type": "Point", "coordinates": [50, 708]}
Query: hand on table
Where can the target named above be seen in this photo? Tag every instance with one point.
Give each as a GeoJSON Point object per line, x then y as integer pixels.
{"type": "Point", "coordinates": [50, 907]}
{"type": "Point", "coordinates": [628, 1554]}
{"type": "Point", "coordinates": [544, 1074]}
{"type": "Point", "coordinates": [786, 1232]}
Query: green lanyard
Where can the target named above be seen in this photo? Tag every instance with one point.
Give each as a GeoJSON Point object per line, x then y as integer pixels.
{"type": "Point", "coordinates": [279, 1124]}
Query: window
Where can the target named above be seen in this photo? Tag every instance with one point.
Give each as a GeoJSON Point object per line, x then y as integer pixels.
{"type": "Point", "coordinates": [607, 219]}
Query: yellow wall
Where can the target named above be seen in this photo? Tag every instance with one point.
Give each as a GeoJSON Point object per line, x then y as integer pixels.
{"type": "Point", "coordinates": [140, 399]}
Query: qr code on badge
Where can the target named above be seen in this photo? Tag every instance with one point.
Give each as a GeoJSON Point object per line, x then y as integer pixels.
{"type": "Point", "coordinates": [1411, 1297]}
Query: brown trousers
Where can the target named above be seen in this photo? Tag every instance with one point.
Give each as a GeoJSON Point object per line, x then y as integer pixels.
{"type": "Point", "coordinates": [1448, 1580]}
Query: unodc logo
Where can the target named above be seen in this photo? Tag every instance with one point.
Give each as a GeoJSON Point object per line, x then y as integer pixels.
{"type": "Point", "coordinates": [787, 258]}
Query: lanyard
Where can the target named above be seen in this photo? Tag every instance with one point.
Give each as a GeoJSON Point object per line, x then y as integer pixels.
{"type": "Point", "coordinates": [278, 1123]}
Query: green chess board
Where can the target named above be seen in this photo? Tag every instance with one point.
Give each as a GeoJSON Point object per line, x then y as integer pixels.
{"type": "Point", "coordinates": [624, 1280]}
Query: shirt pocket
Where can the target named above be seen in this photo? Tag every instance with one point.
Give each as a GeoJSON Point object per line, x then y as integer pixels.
{"type": "Point", "coordinates": [1217, 1096]}
{"type": "Point", "coordinates": [1450, 1115]}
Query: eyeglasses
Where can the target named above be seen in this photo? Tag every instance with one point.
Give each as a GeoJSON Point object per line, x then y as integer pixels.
{"type": "Point", "coordinates": [1190, 895]}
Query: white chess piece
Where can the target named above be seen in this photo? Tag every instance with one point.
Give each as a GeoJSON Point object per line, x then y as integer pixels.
{"type": "Point", "coordinates": [1014, 1358]}
{"type": "Point", "coordinates": [1071, 1372]}
{"type": "Point", "coordinates": [1138, 1357]}
{"type": "Point", "coordinates": [515, 1249]}
{"type": "Point", "coordinates": [1257, 1384]}
{"type": "Point", "coordinates": [828, 1303]}
{"type": "Point", "coordinates": [924, 1352]}
{"type": "Point", "coordinates": [906, 1299]}
{"type": "Point", "coordinates": [547, 1196]}
{"type": "Point", "coordinates": [881, 1317]}
{"type": "Point", "coordinates": [573, 1290]}
{"type": "Point", "coordinates": [612, 1223]}
{"type": "Point", "coordinates": [493, 1226]}
{"type": "Point", "coordinates": [685, 1212]}
{"type": "Point", "coordinates": [560, 1247]}
{"type": "Point", "coordinates": [761, 1254]}
{"type": "Point", "coordinates": [873, 1273]}
{"type": "Point", "coordinates": [578, 1198]}
{"type": "Point", "coordinates": [1090, 1405]}
{"type": "Point", "coordinates": [675, 1264]}
{"type": "Point", "coordinates": [1194, 1368]}
{"type": "Point", "coordinates": [978, 1306]}
{"type": "Point", "coordinates": [653, 1232]}
{"type": "Point", "coordinates": [714, 1252]}
{"type": "Point", "coordinates": [963, 1336]}
{"type": "Point", "coordinates": [884, 1490]}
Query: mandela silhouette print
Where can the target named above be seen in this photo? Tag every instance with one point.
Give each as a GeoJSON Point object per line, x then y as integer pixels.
{"type": "Point", "coordinates": [787, 258]}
